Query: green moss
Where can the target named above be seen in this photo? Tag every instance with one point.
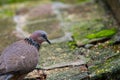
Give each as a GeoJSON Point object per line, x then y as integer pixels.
{"type": "Point", "coordinates": [103, 33]}
{"type": "Point", "coordinates": [84, 28]}
{"type": "Point", "coordinates": [72, 45]}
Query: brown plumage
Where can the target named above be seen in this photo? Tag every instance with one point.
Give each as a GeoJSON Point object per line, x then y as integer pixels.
{"type": "Point", "coordinates": [21, 57]}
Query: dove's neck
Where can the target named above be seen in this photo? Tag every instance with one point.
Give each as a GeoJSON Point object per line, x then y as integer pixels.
{"type": "Point", "coordinates": [33, 42]}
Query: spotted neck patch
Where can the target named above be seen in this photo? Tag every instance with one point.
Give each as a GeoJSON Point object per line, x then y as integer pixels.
{"type": "Point", "coordinates": [33, 42]}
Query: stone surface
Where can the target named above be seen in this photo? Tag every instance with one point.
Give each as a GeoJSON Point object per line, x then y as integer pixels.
{"type": "Point", "coordinates": [78, 20]}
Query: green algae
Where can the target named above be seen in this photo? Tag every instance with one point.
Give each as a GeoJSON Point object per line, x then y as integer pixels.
{"type": "Point", "coordinates": [102, 33]}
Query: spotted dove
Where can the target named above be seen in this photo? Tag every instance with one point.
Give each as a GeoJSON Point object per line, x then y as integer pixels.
{"type": "Point", "coordinates": [21, 57]}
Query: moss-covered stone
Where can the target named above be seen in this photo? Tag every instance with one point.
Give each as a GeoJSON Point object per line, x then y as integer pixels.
{"type": "Point", "coordinates": [104, 63]}
{"type": "Point", "coordinates": [82, 21]}
{"type": "Point", "coordinates": [107, 68]}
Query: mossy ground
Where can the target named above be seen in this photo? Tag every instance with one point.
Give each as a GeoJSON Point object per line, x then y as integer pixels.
{"type": "Point", "coordinates": [57, 53]}
{"type": "Point", "coordinates": [82, 20]}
